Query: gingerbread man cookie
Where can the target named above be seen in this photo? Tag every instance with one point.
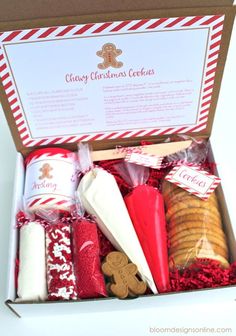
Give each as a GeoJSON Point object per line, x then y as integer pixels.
{"type": "Point", "coordinates": [46, 168]}
{"type": "Point", "coordinates": [109, 54]}
{"type": "Point", "coordinates": [123, 274]}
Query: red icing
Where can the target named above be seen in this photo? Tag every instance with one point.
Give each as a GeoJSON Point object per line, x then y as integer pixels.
{"type": "Point", "coordinates": [146, 209]}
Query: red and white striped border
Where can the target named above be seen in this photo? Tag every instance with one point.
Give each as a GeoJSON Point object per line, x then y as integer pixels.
{"type": "Point", "coordinates": [54, 202]}
{"type": "Point", "coordinates": [213, 22]}
{"type": "Point", "coordinates": [146, 160]}
{"type": "Point", "coordinates": [71, 156]}
{"type": "Point", "coordinates": [171, 177]}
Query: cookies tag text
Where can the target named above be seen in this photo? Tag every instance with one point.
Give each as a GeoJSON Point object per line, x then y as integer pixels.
{"type": "Point", "coordinates": [194, 180]}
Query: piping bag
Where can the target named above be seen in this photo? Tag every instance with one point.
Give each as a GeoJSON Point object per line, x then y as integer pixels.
{"type": "Point", "coordinates": [145, 205]}
{"type": "Point", "coordinates": [101, 197]}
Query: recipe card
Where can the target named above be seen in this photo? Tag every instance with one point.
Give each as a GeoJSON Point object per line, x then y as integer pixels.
{"type": "Point", "coordinates": [99, 79]}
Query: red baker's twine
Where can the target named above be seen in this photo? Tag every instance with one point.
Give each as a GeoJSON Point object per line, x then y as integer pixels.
{"type": "Point", "coordinates": [22, 220]}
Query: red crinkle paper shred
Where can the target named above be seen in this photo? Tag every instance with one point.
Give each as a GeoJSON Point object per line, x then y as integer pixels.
{"type": "Point", "coordinates": [89, 278]}
{"type": "Point", "coordinates": [155, 176]}
{"type": "Point", "coordinates": [203, 273]}
{"type": "Point", "coordinates": [105, 245]}
{"type": "Point", "coordinates": [60, 273]}
{"type": "Point", "coordinates": [21, 219]}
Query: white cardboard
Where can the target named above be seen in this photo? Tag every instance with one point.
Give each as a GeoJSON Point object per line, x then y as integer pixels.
{"type": "Point", "coordinates": [16, 205]}
{"type": "Point", "coordinates": [187, 299]}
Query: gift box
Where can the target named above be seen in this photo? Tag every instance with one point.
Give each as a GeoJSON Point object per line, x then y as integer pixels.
{"type": "Point", "coordinates": [113, 75]}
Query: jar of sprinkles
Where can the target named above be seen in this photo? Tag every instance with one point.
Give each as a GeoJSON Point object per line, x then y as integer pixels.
{"type": "Point", "coordinates": [51, 179]}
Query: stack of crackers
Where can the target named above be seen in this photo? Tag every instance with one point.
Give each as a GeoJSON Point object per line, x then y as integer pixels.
{"type": "Point", "coordinates": [194, 227]}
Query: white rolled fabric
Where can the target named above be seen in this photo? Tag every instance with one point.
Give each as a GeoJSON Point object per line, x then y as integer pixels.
{"type": "Point", "coordinates": [32, 284]}
{"type": "Point", "coordinates": [101, 197]}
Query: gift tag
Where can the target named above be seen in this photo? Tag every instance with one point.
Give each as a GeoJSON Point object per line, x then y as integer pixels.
{"type": "Point", "coordinates": [146, 160]}
{"type": "Point", "coordinates": [194, 180]}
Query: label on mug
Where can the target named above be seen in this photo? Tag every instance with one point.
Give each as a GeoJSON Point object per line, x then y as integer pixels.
{"type": "Point", "coordinates": [52, 177]}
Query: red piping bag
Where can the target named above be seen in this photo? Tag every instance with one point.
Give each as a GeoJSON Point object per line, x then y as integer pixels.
{"type": "Point", "coordinates": [146, 209]}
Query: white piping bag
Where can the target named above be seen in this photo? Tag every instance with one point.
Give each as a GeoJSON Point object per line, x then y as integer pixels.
{"type": "Point", "coordinates": [101, 197]}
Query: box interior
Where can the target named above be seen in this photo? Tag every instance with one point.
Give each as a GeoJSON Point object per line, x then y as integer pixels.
{"type": "Point", "coordinates": [109, 303]}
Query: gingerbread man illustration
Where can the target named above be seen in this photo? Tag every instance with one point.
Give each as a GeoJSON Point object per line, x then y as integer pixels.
{"type": "Point", "coordinates": [109, 54]}
{"type": "Point", "coordinates": [123, 273]}
{"type": "Point", "coordinates": [46, 169]}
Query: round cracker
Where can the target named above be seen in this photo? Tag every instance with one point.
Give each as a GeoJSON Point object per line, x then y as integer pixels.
{"type": "Point", "coordinates": [205, 218]}
{"type": "Point", "coordinates": [184, 196]}
{"type": "Point", "coordinates": [176, 190]}
{"type": "Point", "coordinates": [192, 203]}
{"type": "Point", "coordinates": [202, 226]}
{"type": "Point", "coordinates": [196, 211]}
{"type": "Point", "coordinates": [179, 189]}
{"type": "Point", "coordinates": [194, 252]}
{"type": "Point", "coordinates": [180, 262]}
{"type": "Point", "coordinates": [168, 187]}
{"type": "Point", "coordinates": [199, 243]}
{"type": "Point", "coordinates": [172, 193]}
{"type": "Point", "coordinates": [198, 236]}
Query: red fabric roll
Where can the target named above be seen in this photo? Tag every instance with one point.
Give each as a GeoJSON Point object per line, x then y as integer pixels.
{"type": "Point", "coordinates": [146, 209]}
{"type": "Point", "coordinates": [89, 278]}
{"type": "Point", "coordinates": [60, 273]}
